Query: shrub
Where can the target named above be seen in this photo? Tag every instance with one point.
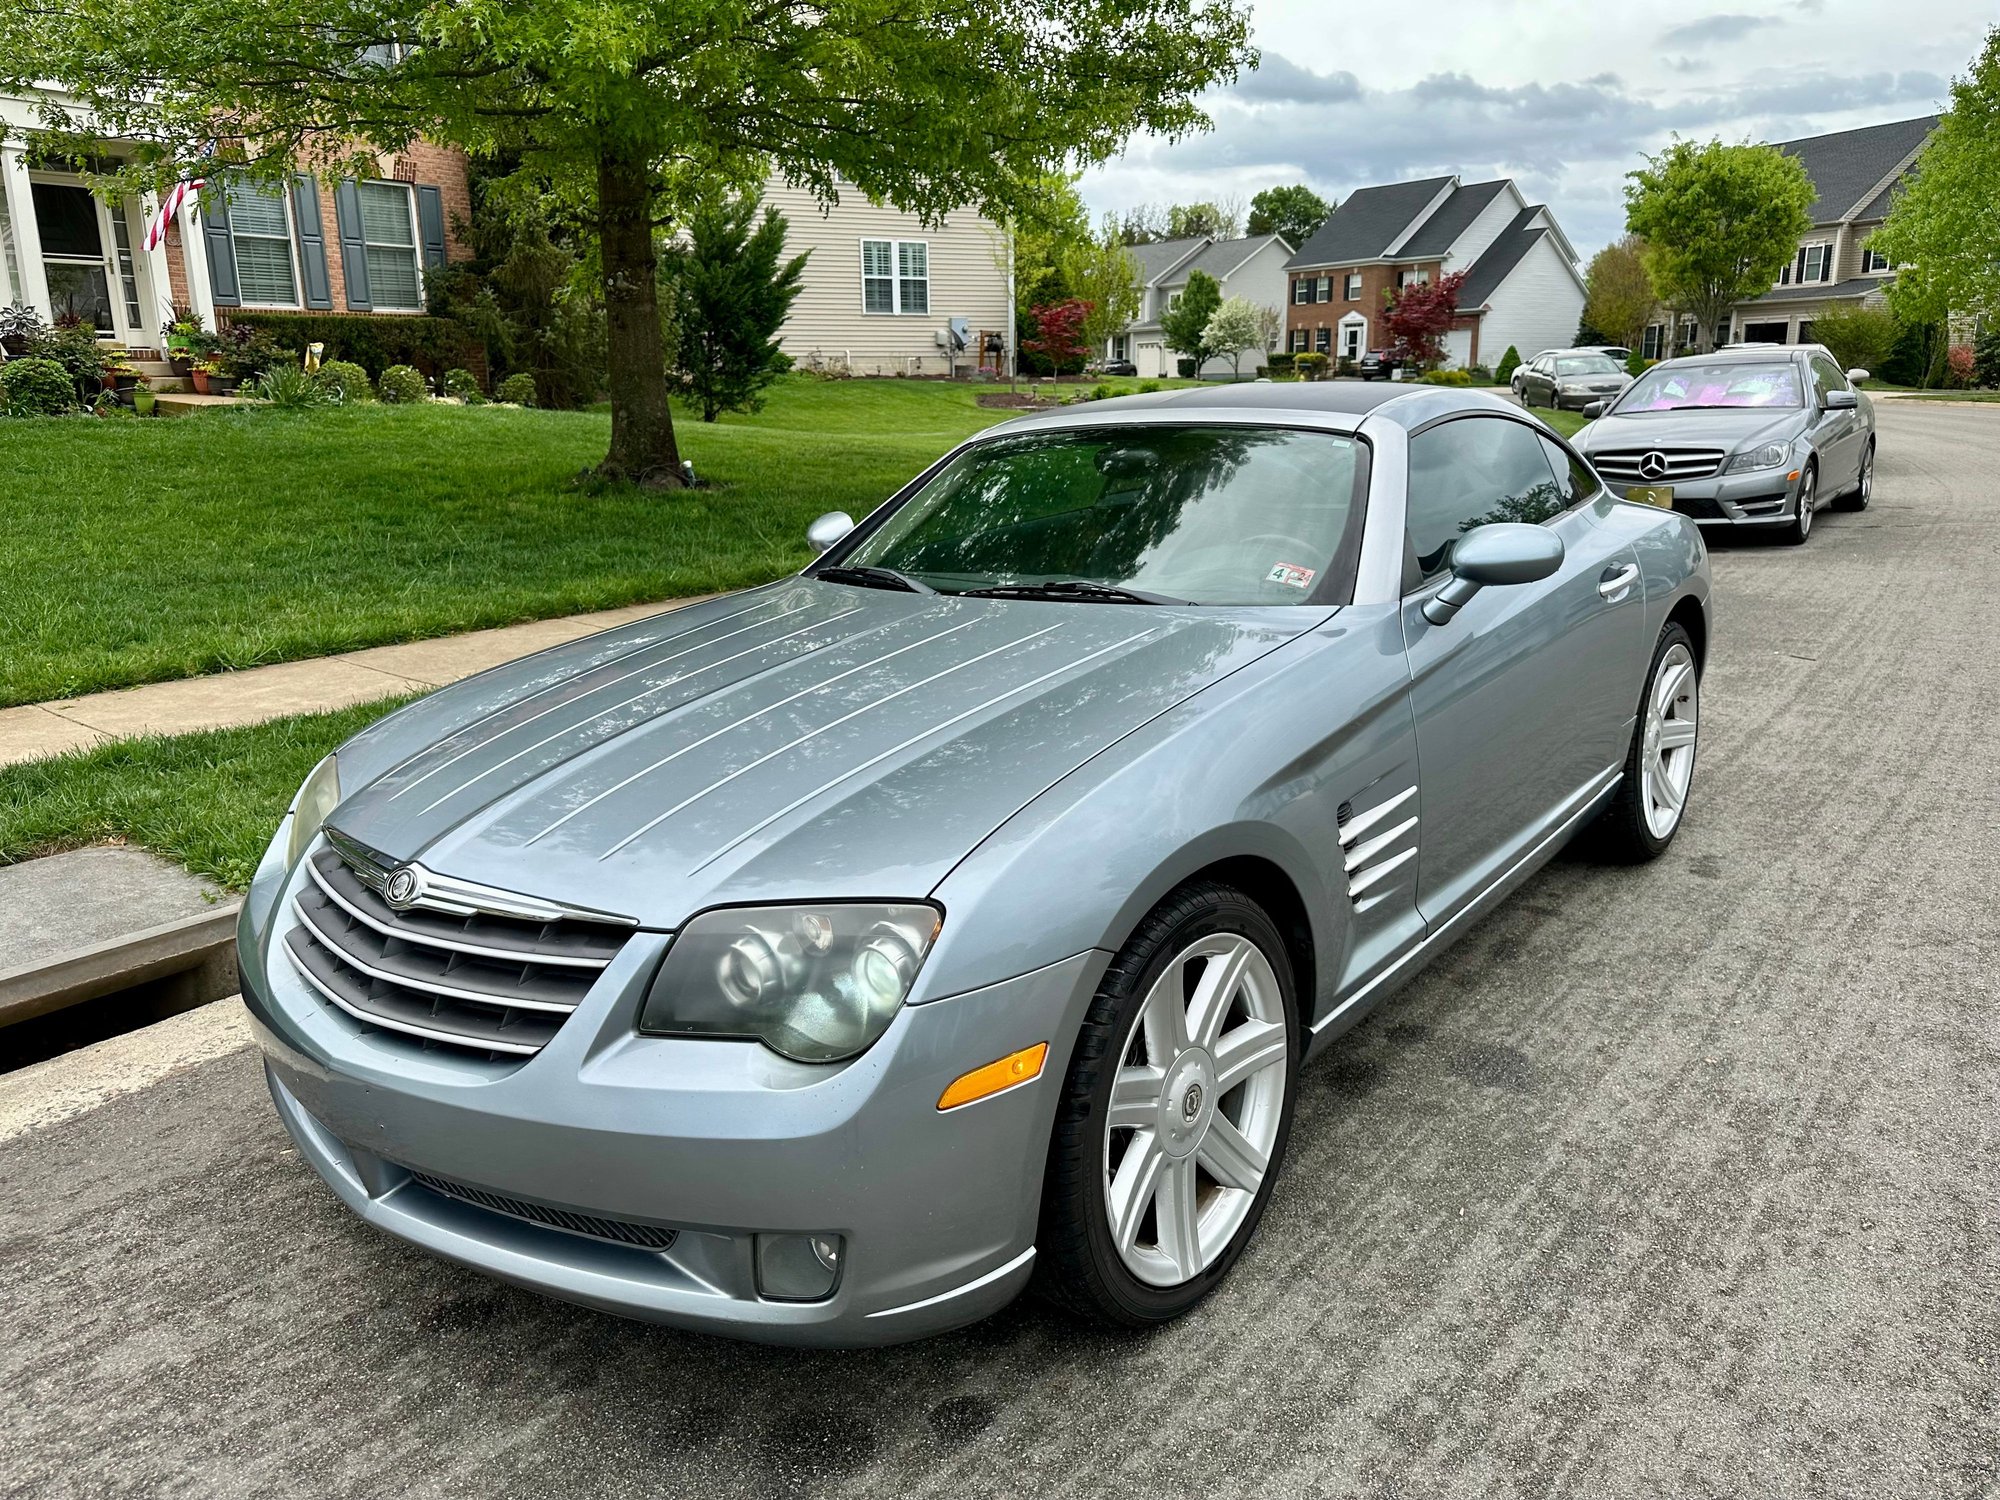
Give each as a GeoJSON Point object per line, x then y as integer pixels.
{"type": "Point", "coordinates": [400, 383]}
{"type": "Point", "coordinates": [1310, 366]}
{"type": "Point", "coordinates": [290, 388]}
{"type": "Point", "coordinates": [1959, 364]}
{"type": "Point", "coordinates": [1281, 362]}
{"type": "Point", "coordinates": [517, 389]}
{"type": "Point", "coordinates": [1916, 359]}
{"type": "Point", "coordinates": [1347, 365]}
{"type": "Point", "coordinates": [1856, 336]}
{"type": "Point", "coordinates": [432, 345]}
{"type": "Point", "coordinates": [1986, 358]}
{"type": "Point", "coordinates": [1147, 387]}
{"type": "Point", "coordinates": [245, 352]}
{"type": "Point", "coordinates": [74, 346]}
{"type": "Point", "coordinates": [1636, 364]}
{"type": "Point", "coordinates": [1480, 375]}
{"type": "Point", "coordinates": [1103, 391]}
{"type": "Point", "coordinates": [465, 386]}
{"type": "Point", "coordinates": [36, 387]}
{"type": "Point", "coordinates": [344, 382]}
{"type": "Point", "coordinates": [1444, 377]}
{"type": "Point", "coordinates": [1503, 373]}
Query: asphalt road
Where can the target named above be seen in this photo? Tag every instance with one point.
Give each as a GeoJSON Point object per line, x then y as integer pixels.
{"type": "Point", "coordinates": [1676, 1181]}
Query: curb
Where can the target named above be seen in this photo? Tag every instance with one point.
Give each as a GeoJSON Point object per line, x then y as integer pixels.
{"type": "Point", "coordinates": [121, 963]}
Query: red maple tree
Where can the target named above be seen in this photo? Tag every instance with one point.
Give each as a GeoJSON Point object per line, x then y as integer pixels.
{"type": "Point", "coordinates": [1059, 332]}
{"type": "Point", "coordinates": [1418, 317]}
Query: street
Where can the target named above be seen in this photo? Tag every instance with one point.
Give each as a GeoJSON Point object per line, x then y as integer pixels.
{"type": "Point", "coordinates": [1681, 1180]}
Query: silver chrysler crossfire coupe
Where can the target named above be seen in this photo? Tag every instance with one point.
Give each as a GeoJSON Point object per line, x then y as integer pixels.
{"type": "Point", "coordinates": [822, 963]}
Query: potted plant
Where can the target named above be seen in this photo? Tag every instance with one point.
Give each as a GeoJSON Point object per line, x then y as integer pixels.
{"type": "Point", "coordinates": [204, 372]}
{"type": "Point", "coordinates": [143, 399]}
{"type": "Point", "coordinates": [120, 375]}
{"type": "Point", "coordinates": [20, 326]}
{"type": "Point", "coordinates": [186, 341]}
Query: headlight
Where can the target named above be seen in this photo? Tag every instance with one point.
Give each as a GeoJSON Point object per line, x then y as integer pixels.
{"type": "Point", "coordinates": [319, 796]}
{"type": "Point", "coordinates": [813, 983]}
{"type": "Point", "coordinates": [1770, 456]}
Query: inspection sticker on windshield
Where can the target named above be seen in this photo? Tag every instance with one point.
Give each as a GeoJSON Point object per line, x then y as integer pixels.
{"type": "Point", "coordinates": [1291, 575]}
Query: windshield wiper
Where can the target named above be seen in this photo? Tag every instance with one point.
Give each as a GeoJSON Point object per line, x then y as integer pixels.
{"type": "Point", "coordinates": [871, 577]}
{"type": "Point", "coordinates": [1071, 588]}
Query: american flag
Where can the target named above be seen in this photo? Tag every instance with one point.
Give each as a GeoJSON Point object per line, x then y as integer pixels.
{"type": "Point", "coordinates": [170, 204]}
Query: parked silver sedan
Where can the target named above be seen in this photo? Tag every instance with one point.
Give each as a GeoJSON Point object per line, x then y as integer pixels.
{"type": "Point", "coordinates": [819, 963]}
{"type": "Point", "coordinates": [1570, 379]}
{"type": "Point", "coordinates": [1759, 436]}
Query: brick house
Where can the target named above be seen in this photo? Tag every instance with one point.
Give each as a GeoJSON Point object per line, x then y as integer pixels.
{"type": "Point", "coordinates": [1522, 285]}
{"type": "Point", "coordinates": [352, 247]}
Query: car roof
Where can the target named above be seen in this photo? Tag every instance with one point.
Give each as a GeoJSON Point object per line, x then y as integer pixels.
{"type": "Point", "coordinates": [1336, 405]}
{"type": "Point", "coordinates": [1745, 354]}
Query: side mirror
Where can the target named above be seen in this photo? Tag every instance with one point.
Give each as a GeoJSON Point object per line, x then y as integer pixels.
{"type": "Point", "coordinates": [1594, 409]}
{"type": "Point", "coordinates": [828, 529]}
{"type": "Point", "coordinates": [1842, 401]}
{"type": "Point", "coordinates": [1490, 556]}
{"type": "Point", "coordinates": [1857, 376]}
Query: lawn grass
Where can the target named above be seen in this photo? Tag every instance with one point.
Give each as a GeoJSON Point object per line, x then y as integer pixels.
{"type": "Point", "coordinates": [208, 800]}
{"type": "Point", "coordinates": [1568, 423]}
{"type": "Point", "coordinates": [1976, 397]}
{"type": "Point", "coordinates": [137, 551]}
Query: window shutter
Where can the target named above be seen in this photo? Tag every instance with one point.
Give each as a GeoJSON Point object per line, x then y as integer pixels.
{"type": "Point", "coordinates": [221, 252]}
{"type": "Point", "coordinates": [430, 224]}
{"type": "Point", "coordinates": [312, 244]}
{"type": "Point", "coordinates": [353, 247]}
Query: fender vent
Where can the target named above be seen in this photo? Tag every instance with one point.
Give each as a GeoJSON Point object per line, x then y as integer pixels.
{"type": "Point", "coordinates": [1379, 845]}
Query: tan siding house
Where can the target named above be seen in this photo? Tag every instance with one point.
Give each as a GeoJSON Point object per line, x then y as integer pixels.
{"type": "Point", "coordinates": [880, 286]}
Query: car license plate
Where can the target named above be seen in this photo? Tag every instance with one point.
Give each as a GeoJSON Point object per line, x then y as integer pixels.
{"type": "Point", "coordinates": [1661, 495]}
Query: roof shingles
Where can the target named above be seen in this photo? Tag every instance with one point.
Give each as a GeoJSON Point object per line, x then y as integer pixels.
{"type": "Point", "coordinates": [1850, 164]}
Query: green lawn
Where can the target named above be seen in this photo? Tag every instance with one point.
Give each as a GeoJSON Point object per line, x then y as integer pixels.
{"type": "Point", "coordinates": [135, 551]}
{"type": "Point", "coordinates": [1977, 397]}
{"type": "Point", "coordinates": [208, 800]}
{"type": "Point", "coordinates": [1568, 423]}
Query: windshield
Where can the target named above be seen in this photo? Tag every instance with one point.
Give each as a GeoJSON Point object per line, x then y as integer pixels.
{"type": "Point", "coordinates": [1206, 515]}
{"type": "Point", "coordinates": [1587, 364]}
{"type": "Point", "coordinates": [1729, 383]}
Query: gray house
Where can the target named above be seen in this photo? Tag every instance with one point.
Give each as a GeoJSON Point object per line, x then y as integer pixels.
{"type": "Point", "coordinates": [1252, 268]}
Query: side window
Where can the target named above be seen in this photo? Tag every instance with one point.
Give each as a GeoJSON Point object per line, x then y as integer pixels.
{"type": "Point", "coordinates": [1472, 472]}
{"type": "Point", "coordinates": [1827, 376]}
{"type": "Point", "coordinates": [1574, 481]}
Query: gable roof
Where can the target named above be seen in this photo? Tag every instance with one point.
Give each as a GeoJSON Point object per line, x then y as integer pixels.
{"type": "Point", "coordinates": [1500, 257]}
{"type": "Point", "coordinates": [1221, 257]}
{"type": "Point", "coordinates": [1848, 166]}
{"type": "Point", "coordinates": [1437, 234]}
{"type": "Point", "coordinates": [1369, 222]}
{"type": "Point", "coordinates": [1157, 257]}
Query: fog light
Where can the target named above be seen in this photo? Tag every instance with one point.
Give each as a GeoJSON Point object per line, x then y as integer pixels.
{"type": "Point", "coordinates": [798, 1267]}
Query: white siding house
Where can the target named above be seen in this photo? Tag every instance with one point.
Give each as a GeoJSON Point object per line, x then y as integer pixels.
{"type": "Point", "coordinates": [880, 287]}
{"type": "Point", "coordinates": [1252, 268]}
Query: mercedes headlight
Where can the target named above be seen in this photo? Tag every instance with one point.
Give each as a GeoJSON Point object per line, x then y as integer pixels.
{"type": "Point", "coordinates": [1770, 456]}
{"type": "Point", "coordinates": [319, 796]}
{"type": "Point", "coordinates": [813, 983]}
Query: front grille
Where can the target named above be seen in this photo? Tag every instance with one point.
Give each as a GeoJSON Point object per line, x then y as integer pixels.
{"type": "Point", "coordinates": [1623, 465]}
{"type": "Point", "coordinates": [618, 1231]}
{"type": "Point", "coordinates": [1699, 508]}
{"type": "Point", "coordinates": [476, 981]}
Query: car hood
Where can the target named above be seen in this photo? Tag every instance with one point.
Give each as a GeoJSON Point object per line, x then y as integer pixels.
{"type": "Point", "coordinates": [797, 742]}
{"type": "Point", "coordinates": [1731, 429]}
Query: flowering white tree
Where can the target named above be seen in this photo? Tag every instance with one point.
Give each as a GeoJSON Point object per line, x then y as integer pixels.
{"type": "Point", "coordinates": [1234, 328]}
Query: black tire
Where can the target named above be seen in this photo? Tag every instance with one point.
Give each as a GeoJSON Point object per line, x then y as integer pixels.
{"type": "Point", "coordinates": [1077, 1264]}
{"type": "Point", "coordinates": [1864, 486]}
{"type": "Point", "coordinates": [1801, 528]}
{"type": "Point", "coordinates": [1621, 833]}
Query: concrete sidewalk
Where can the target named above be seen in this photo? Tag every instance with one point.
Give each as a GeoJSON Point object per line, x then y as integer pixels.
{"type": "Point", "coordinates": [227, 699]}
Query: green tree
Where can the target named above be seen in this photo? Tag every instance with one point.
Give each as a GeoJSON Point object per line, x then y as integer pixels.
{"type": "Point", "coordinates": [633, 111]}
{"type": "Point", "coordinates": [1103, 273]}
{"type": "Point", "coordinates": [1049, 222]}
{"type": "Point", "coordinates": [1943, 230]}
{"type": "Point", "coordinates": [1509, 363]}
{"type": "Point", "coordinates": [1184, 327]}
{"type": "Point", "coordinates": [732, 291]}
{"type": "Point", "coordinates": [1233, 329]}
{"type": "Point", "coordinates": [1618, 299]}
{"type": "Point", "coordinates": [1294, 212]}
{"type": "Point", "coordinates": [1720, 222]}
{"type": "Point", "coordinates": [1857, 335]}
{"type": "Point", "coordinates": [1222, 221]}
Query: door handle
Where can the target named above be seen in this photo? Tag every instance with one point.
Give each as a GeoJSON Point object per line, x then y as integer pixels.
{"type": "Point", "coordinates": [1616, 580]}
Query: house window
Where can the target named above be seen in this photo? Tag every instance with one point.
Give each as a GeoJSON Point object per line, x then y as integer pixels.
{"type": "Point", "coordinates": [73, 254]}
{"type": "Point", "coordinates": [128, 272]}
{"type": "Point", "coordinates": [1302, 291]}
{"type": "Point", "coordinates": [1650, 341]}
{"type": "Point", "coordinates": [1805, 330]}
{"type": "Point", "coordinates": [1323, 340]}
{"type": "Point", "coordinates": [1298, 341]}
{"type": "Point", "coordinates": [896, 276]}
{"type": "Point", "coordinates": [913, 276]}
{"type": "Point", "coordinates": [389, 228]}
{"type": "Point", "coordinates": [260, 232]}
{"type": "Point", "coordinates": [1353, 288]}
{"type": "Point", "coordinates": [1121, 347]}
{"type": "Point", "coordinates": [1873, 262]}
{"type": "Point", "coordinates": [1173, 300]}
{"type": "Point", "coordinates": [1815, 262]}
{"type": "Point", "coordinates": [1323, 290]}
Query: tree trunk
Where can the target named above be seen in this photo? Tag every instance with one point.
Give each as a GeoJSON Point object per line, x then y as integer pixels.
{"type": "Point", "coordinates": [642, 423]}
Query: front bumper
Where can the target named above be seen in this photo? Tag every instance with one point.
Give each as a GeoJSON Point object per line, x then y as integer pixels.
{"type": "Point", "coordinates": [717, 1141]}
{"type": "Point", "coordinates": [1764, 497]}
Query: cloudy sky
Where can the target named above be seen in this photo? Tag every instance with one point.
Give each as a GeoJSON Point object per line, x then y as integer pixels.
{"type": "Point", "coordinates": [1562, 95]}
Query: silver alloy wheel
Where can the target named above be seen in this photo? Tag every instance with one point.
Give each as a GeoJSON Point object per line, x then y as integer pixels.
{"type": "Point", "coordinates": [1195, 1109]}
{"type": "Point", "coordinates": [1866, 489]}
{"type": "Point", "coordinates": [1666, 759]}
{"type": "Point", "coordinates": [1808, 498]}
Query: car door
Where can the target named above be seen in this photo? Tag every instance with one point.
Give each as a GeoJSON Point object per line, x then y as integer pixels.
{"type": "Point", "coordinates": [1836, 434]}
{"type": "Point", "coordinates": [1523, 701]}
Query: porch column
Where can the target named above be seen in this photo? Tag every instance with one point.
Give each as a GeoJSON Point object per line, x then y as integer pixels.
{"type": "Point", "coordinates": [34, 287]}
{"type": "Point", "coordinates": [194, 256]}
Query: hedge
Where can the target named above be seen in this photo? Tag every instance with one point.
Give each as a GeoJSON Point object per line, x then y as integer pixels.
{"type": "Point", "coordinates": [375, 342]}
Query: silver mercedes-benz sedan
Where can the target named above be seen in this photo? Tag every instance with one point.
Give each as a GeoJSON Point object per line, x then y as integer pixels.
{"type": "Point", "coordinates": [821, 963]}
{"type": "Point", "coordinates": [1754, 435]}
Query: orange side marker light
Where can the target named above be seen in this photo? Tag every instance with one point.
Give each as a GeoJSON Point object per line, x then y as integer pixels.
{"type": "Point", "coordinates": [1011, 1071]}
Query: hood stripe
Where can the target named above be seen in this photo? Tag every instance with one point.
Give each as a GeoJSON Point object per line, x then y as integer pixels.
{"type": "Point", "coordinates": [600, 714]}
{"type": "Point", "coordinates": [915, 739]}
{"type": "Point", "coordinates": [736, 724]}
{"type": "Point", "coordinates": [622, 677]}
{"type": "Point", "coordinates": [813, 734]}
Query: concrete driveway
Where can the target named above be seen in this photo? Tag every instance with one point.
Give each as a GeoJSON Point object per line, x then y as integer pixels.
{"type": "Point", "coordinates": [1677, 1181]}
